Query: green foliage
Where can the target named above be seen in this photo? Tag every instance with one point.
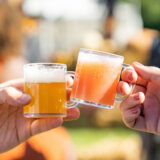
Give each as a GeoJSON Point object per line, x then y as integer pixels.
{"type": "Point", "coordinates": [151, 13]}
{"type": "Point", "coordinates": [128, 1]}
{"type": "Point", "coordinates": [88, 136]}
{"type": "Point", "coordinates": [150, 10]}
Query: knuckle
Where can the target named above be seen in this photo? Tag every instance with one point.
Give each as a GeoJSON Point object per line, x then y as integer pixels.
{"type": "Point", "coordinates": [5, 91]}
{"type": "Point", "coordinates": [4, 95]}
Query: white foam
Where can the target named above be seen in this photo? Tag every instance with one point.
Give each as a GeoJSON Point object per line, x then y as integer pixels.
{"type": "Point", "coordinates": [95, 58]}
{"type": "Point", "coordinates": [44, 75]}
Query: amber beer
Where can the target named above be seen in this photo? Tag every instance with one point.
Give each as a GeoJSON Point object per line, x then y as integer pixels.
{"type": "Point", "coordinates": [96, 78]}
{"type": "Point", "coordinates": [45, 83]}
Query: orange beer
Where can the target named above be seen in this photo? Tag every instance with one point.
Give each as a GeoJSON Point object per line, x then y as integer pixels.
{"type": "Point", "coordinates": [45, 83]}
{"type": "Point", "coordinates": [96, 78]}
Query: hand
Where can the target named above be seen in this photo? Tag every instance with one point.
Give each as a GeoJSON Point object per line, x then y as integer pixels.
{"type": "Point", "coordinates": [14, 127]}
{"type": "Point", "coordinates": [141, 109]}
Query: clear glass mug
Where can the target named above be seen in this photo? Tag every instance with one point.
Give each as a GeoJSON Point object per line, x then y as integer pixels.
{"type": "Point", "coordinates": [96, 78]}
{"type": "Point", "coordinates": [46, 84]}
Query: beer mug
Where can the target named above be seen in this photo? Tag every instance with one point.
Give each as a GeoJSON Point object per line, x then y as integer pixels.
{"type": "Point", "coordinates": [46, 84]}
{"type": "Point", "coordinates": [96, 78]}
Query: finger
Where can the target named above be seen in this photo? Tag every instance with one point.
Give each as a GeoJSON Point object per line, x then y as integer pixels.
{"type": "Point", "coordinates": [17, 83]}
{"type": "Point", "coordinates": [13, 97]}
{"type": "Point", "coordinates": [41, 125]}
{"type": "Point", "coordinates": [69, 81]}
{"type": "Point", "coordinates": [129, 75]}
{"type": "Point", "coordinates": [68, 94]}
{"type": "Point", "coordinates": [123, 88]}
{"type": "Point", "coordinates": [72, 114]}
{"type": "Point", "coordinates": [130, 115]}
{"type": "Point", "coordinates": [132, 118]}
{"type": "Point", "coordinates": [141, 82]}
{"type": "Point", "coordinates": [132, 100]}
{"type": "Point", "coordinates": [140, 124]}
{"type": "Point", "coordinates": [139, 88]}
{"type": "Point", "coordinates": [148, 73]}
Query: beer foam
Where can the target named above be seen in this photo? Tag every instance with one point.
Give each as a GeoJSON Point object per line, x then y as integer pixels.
{"type": "Point", "coordinates": [44, 75]}
{"type": "Point", "coordinates": [95, 58]}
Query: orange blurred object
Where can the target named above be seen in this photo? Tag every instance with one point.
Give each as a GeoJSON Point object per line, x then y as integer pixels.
{"type": "Point", "coordinates": [51, 145]}
{"type": "Point", "coordinates": [29, 25]}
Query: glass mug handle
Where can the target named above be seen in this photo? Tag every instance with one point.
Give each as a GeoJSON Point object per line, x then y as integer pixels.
{"type": "Point", "coordinates": [119, 97]}
{"type": "Point", "coordinates": [71, 104]}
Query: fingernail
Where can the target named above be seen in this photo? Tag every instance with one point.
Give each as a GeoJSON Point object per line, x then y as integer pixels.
{"type": "Point", "coordinates": [130, 77]}
{"type": "Point", "coordinates": [24, 99]}
{"type": "Point", "coordinates": [121, 90]}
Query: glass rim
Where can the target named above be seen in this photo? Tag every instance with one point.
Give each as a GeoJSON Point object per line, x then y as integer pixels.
{"type": "Point", "coordinates": [54, 65]}
{"type": "Point", "coordinates": [92, 51]}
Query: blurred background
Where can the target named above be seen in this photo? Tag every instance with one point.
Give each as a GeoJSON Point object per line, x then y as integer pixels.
{"type": "Point", "coordinates": [53, 31]}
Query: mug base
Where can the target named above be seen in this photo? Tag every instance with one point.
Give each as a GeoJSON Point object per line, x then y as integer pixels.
{"type": "Point", "coordinates": [91, 103]}
{"type": "Point", "coordinates": [44, 115]}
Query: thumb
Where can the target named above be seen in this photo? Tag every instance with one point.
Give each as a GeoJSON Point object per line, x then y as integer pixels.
{"type": "Point", "coordinates": [148, 73]}
{"type": "Point", "coordinates": [14, 97]}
